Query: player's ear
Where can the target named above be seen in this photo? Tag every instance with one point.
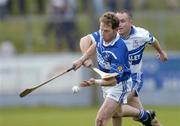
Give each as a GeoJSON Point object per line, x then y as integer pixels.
{"type": "Point", "coordinates": [131, 21]}
{"type": "Point", "coordinates": [116, 29]}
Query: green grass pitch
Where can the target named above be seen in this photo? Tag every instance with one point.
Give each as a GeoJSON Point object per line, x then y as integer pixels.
{"type": "Point", "coordinates": [76, 116]}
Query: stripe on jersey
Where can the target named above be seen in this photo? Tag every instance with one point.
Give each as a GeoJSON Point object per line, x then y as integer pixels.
{"type": "Point", "coordinates": [124, 84]}
{"type": "Point", "coordinates": [115, 57]}
{"type": "Point", "coordinates": [151, 38]}
{"type": "Point", "coordinates": [137, 49]}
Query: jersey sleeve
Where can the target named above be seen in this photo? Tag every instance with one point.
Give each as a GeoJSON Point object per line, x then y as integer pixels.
{"type": "Point", "coordinates": [148, 36]}
{"type": "Point", "coordinates": [95, 36]}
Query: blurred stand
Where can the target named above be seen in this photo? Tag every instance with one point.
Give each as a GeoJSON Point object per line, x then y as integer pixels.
{"type": "Point", "coordinates": [161, 84]}
{"type": "Point", "coordinates": [62, 21]}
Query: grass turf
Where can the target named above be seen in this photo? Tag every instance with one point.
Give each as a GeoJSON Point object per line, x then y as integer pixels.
{"type": "Point", "coordinates": [77, 116]}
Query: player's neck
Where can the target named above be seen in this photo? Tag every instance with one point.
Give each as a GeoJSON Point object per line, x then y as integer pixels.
{"type": "Point", "coordinates": [126, 35]}
{"type": "Point", "coordinates": [111, 40]}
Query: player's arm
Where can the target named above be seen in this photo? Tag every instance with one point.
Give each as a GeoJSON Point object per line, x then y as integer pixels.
{"type": "Point", "coordinates": [162, 54]}
{"type": "Point", "coordinates": [100, 82]}
{"type": "Point", "coordinates": [91, 50]}
{"type": "Point", "coordinates": [85, 43]}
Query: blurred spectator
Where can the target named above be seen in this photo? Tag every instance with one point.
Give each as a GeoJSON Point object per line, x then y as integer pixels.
{"type": "Point", "coordinates": [84, 5]}
{"type": "Point", "coordinates": [128, 5]}
{"type": "Point", "coordinates": [99, 7]}
{"type": "Point", "coordinates": [173, 4]}
{"type": "Point", "coordinates": [40, 6]}
{"type": "Point", "coordinates": [62, 20]}
{"type": "Point", "coordinates": [3, 9]}
{"type": "Point", "coordinates": [22, 7]}
{"type": "Point", "coordinates": [55, 12]}
{"type": "Point", "coordinates": [143, 4]}
{"type": "Point", "coordinates": [7, 49]}
{"type": "Point", "coordinates": [111, 5]}
{"type": "Point", "coordinates": [10, 6]}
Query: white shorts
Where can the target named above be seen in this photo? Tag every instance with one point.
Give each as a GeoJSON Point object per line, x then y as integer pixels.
{"type": "Point", "coordinates": [119, 92]}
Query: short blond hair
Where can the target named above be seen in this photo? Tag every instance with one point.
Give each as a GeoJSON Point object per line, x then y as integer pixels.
{"type": "Point", "coordinates": [110, 18]}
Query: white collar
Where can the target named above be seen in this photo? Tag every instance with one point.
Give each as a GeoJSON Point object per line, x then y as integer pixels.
{"type": "Point", "coordinates": [112, 42]}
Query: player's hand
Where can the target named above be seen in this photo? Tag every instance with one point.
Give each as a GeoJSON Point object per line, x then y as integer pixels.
{"type": "Point", "coordinates": [87, 83]}
{"type": "Point", "coordinates": [163, 56]}
{"type": "Point", "coordinates": [88, 63]}
{"type": "Point", "coordinates": [77, 64]}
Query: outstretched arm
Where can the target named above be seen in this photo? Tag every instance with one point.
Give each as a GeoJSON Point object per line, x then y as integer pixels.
{"type": "Point", "coordinates": [162, 54]}
{"type": "Point", "coordinates": [101, 82]}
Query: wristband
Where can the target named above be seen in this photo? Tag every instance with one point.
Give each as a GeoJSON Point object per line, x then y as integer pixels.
{"type": "Point", "coordinates": [98, 82]}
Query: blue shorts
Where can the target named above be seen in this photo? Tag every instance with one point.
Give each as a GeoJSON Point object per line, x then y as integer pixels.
{"type": "Point", "coordinates": [137, 84]}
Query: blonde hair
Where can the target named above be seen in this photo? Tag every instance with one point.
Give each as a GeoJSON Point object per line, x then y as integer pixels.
{"type": "Point", "coordinates": [110, 18]}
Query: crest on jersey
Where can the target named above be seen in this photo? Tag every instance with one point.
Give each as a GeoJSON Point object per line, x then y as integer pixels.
{"type": "Point", "coordinates": [120, 68]}
{"type": "Point", "coordinates": [135, 44]}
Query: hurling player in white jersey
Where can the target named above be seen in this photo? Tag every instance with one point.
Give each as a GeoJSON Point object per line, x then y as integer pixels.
{"type": "Point", "coordinates": [136, 39]}
{"type": "Point", "coordinates": [112, 56]}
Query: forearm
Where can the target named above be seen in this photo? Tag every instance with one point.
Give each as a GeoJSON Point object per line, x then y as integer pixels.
{"type": "Point", "coordinates": [162, 54]}
{"type": "Point", "coordinates": [157, 46]}
{"type": "Point", "coordinates": [87, 51]}
{"type": "Point", "coordinates": [91, 50]}
{"type": "Point", "coordinates": [106, 82]}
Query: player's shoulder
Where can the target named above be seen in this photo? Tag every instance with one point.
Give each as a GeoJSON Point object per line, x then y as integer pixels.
{"type": "Point", "coordinates": [141, 32]}
{"type": "Point", "coordinates": [95, 36]}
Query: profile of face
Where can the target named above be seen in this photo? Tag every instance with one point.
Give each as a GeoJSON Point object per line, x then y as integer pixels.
{"type": "Point", "coordinates": [125, 24]}
{"type": "Point", "coordinates": [107, 32]}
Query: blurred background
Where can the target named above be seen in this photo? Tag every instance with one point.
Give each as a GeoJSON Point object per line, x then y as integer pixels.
{"type": "Point", "coordinates": [39, 38]}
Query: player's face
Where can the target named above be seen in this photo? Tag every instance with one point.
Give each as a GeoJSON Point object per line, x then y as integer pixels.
{"type": "Point", "coordinates": [107, 32]}
{"type": "Point", "coordinates": [124, 24]}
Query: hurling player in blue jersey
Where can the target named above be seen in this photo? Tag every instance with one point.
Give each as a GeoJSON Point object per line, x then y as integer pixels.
{"type": "Point", "coordinates": [112, 57]}
{"type": "Point", "coordinates": [136, 39]}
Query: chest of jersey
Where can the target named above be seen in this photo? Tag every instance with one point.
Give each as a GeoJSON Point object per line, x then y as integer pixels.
{"type": "Point", "coordinates": [104, 55]}
{"type": "Point", "coordinates": [135, 48]}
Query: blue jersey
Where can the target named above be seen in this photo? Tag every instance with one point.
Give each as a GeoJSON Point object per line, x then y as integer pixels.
{"type": "Point", "coordinates": [112, 57]}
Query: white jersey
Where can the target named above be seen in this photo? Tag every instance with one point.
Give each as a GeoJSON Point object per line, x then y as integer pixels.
{"type": "Point", "coordinates": [136, 42]}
